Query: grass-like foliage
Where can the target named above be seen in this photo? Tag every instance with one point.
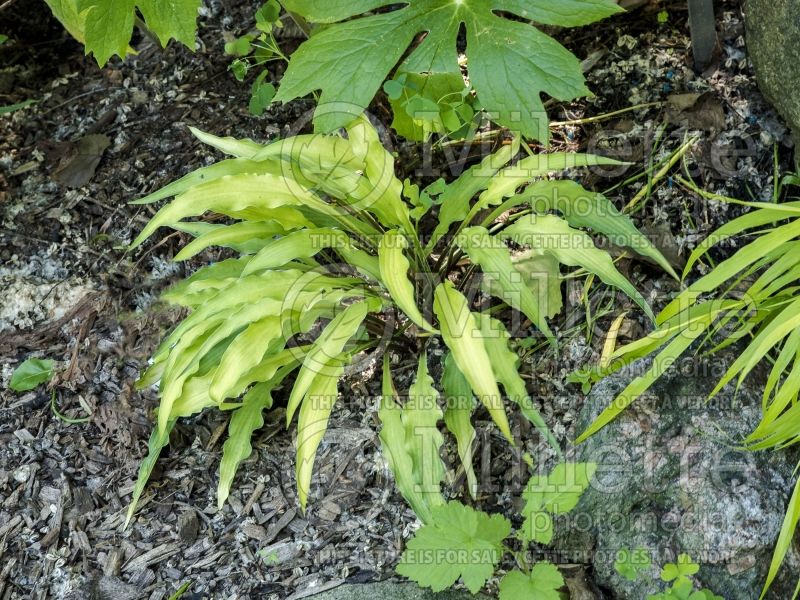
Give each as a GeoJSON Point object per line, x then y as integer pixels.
{"type": "Point", "coordinates": [332, 271]}
{"type": "Point", "coordinates": [750, 298]}
{"type": "Point", "coordinates": [510, 63]}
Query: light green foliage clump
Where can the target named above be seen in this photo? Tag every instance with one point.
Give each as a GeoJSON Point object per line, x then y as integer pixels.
{"type": "Point", "coordinates": [329, 247]}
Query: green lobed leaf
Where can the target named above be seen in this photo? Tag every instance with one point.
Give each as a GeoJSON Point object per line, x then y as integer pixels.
{"type": "Point", "coordinates": [171, 19]}
{"type": "Point", "coordinates": [31, 373]}
{"type": "Point", "coordinates": [460, 542]}
{"type": "Point", "coordinates": [510, 63]}
{"type": "Point", "coordinates": [542, 583]}
{"type": "Point", "coordinates": [109, 26]}
{"type": "Point", "coordinates": [631, 563]}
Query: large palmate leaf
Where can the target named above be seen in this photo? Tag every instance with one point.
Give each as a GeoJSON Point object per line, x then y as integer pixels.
{"type": "Point", "coordinates": [460, 542]}
{"type": "Point", "coordinates": [106, 26]}
{"type": "Point", "coordinates": [510, 63]}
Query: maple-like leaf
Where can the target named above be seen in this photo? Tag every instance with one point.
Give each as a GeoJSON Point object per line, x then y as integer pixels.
{"type": "Point", "coordinates": [510, 63]}
{"type": "Point", "coordinates": [458, 542]}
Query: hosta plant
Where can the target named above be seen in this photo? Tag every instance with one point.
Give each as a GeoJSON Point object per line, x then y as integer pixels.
{"type": "Point", "coordinates": [331, 270]}
{"type": "Point", "coordinates": [752, 298]}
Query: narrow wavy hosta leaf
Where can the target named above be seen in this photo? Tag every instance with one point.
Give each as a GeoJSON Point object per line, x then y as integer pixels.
{"type": "Point", "coordinates": [394, 268]}
{"type": "Point", "coordinates": [158, 439]}
{"type": "Point", "coordinates": [421, 416]}
{"type": "Point", "coordinates": [304, 243]}
{"type": "Point", "coordinates": [396, 438]}
{"type": "Point", "coordinates": [665, 358]}
{"type": "Point", "coordinates": [458, 417]}
{"type": "Point", "coordinates": [245, 237]}
{"type": "Point", "coordinates": [456, 198]}
{"type": "Point", "coordinates": [184, 359]}
{"type": "Point", "coordinates": [240, 148]}
{"type": "Point", "coordinates": [505, 364]}
{"type": "Point", "coordinates": [328, 346]}
{"type": "Point", "coordinates": [244, 421]}
{"type": "Point", "coordinates": [582, 208]}
{"type": "Point", "coordinates": [243, 354]}
{"type": "Point", "coordinates": [505, 282]}
{"type": "Point", "coordinates": [462, 335]}
{"type": "Point", "coordinates": [312, 422]}
{"type": "Point", "coordinates": [787, 354]}
{"type": "Point", "coordinates": [383, 195]}
{"type": "Point", "coordinates": [225, 195]}
{"type": "Point", "coordinates": [542, 274]}
{"type": "Point", "coordinates": [225, 168]}
{"type": "Point", "coordinates": [574, 248]}
{"type": "Point", "coordinates": [361, 260]}
{"type": "Point", "coordinates": [526, 170]}
{"type": "Point", "coordinates": [271, 368]}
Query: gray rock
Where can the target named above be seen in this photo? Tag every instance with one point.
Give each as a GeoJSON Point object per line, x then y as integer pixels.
{"type": "Point", "coordinates": [391, 590]}
{"type": "Point", "coordinates": [773, 42]}
{"type": "Point", "coordinates": [671, 480]}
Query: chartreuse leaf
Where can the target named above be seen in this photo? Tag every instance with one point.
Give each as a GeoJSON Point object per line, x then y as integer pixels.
{"type": "Point", "coordinates": [410, 442]}
{"type": "Point", "coordinates": [505, 363]}
{"type": "Point", "coordinates": [462, 335]}
{"type": "Point", "coordinates": [526, 170]}
{"type": "Point", "coordinates": [328, 346]}
{"type": "Point", "coordinates": [681, 337]}
{"type": "Point", "coordinates": [244, 421]}
{"type": "Point", "coordinates": [510, 63]}
{"type": "Point", "coordinates": [459, 542]}
{"type": "Point", "coordinates": [158, 439]}
{"type": "Point", "coordinates": [458, 417]}
{"type": "Point", "coordinates": [582, 208]}
{"type": "Point", "coordinates": [30, 374]}
{"type": "Point", "coordinates": [245, 237]}
{"type": "Point", "coordinates": [574, 248]}
{"type": "Point", "coordinates": [394, 274]}
{"type": "Point", "coordinates": [554, 494]}
{"type": "Point", "coordinates": [456, 196]}
{"type": "Point", "coordinates": [784, 542]}
{"type": "Point", "coordinates": [631, 563]}
{"type": "Point", "coordinates": [504, 281]}
{"type": "Point", "coordinates": [542, 583]}
{"type": "Point", "coordinates": [313, 422]}
{"type": "Point", "coordinates": [542, 274]}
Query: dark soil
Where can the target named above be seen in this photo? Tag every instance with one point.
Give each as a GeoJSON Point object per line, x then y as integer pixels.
{"type": "Point", "coordinates": [73, 294]}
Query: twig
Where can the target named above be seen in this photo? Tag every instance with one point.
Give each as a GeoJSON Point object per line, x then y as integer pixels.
{"type": "Point", "coordinates": [6, 4]}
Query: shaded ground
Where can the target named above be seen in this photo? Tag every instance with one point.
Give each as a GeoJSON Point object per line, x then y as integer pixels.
{"type": "Point", "coordinates": [72, 294]}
